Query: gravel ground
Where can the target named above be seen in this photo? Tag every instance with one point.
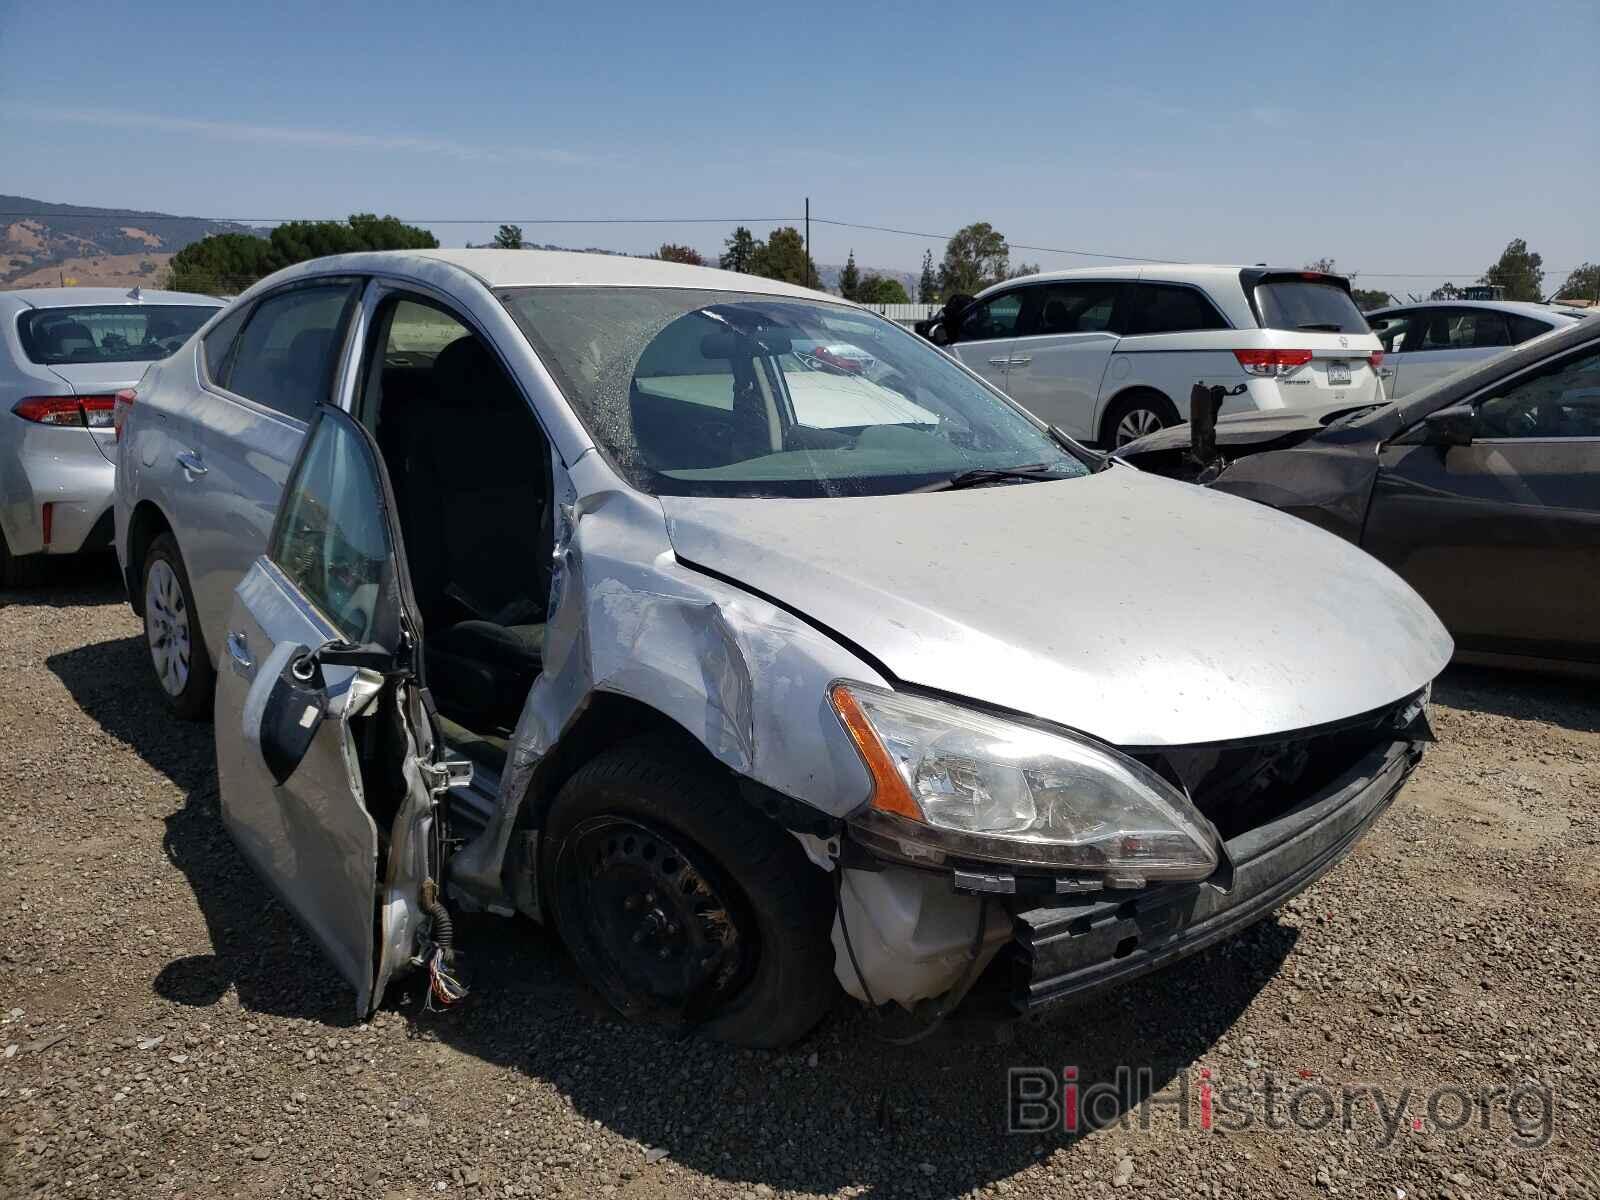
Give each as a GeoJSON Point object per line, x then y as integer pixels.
{"type": "Point", "coordinates": [166, 1030]}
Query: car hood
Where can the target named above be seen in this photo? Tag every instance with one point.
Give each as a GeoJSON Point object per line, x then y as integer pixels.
{"type": "Point", "coordinates": [1286, 425]}
{"type": "Point", "coordinates": [1139, 610]}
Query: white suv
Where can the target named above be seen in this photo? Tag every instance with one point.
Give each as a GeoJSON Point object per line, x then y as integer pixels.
{"type": "Point", "coordinates": [1109, 354]}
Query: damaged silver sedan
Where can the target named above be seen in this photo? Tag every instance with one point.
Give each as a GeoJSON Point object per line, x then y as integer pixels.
{"type": "Point", "coordinates": [765, 651]}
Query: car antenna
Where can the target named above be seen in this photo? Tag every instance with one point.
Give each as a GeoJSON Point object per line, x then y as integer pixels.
{"type": "Point", "coordinates": [136, 295]}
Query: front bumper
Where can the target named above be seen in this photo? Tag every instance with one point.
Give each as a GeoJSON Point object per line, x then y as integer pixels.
{"type": "Point", "coordinates": [1067, 953]}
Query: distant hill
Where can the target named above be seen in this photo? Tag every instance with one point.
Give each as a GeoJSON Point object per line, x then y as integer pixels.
{"type": "Point", "coordinates": [42, 244]}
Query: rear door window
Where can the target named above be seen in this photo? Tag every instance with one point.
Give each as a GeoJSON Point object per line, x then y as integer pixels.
{"type": "Point", "coordinates": [1307, 306]}
{"type": "Point", "coordinates": [1464, 329]}
{"type": "Point", "coordinates": [1168, 308]}
{"type": "Point", "coordinates": [286, 354]}
{"type": "Point", "coordinates": [1055, 308]}
{"type": "Point", "coordinates": [994, 318]}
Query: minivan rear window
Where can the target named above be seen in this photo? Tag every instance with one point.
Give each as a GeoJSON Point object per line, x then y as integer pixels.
{"type": "Point", "coordinates": [1303, 305]}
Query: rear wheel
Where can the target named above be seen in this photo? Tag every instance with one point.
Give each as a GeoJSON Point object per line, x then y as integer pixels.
{"type": "Point", "coordinates": [172, 633]}
{"type": "Point", "coordinates": [1135, 415]}
{"type": "Point", "coordinates": [684, 905]}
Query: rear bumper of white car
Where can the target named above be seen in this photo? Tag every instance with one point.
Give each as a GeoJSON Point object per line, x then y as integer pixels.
{"type": "Point", "coordinates": [55, 493]}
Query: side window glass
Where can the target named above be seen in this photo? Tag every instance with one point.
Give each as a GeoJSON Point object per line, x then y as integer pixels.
{"type": "Point", "coordinates": [1395, 332]}
{"type": "Point", "coordinates": [1482, 329]}
{"type": "Point", "coordinates": [1436, 329]}
{"type": "Point", "coordinates": [331, 540]}
{"type": "Point", "coordinates": [1523, 328]}
{"type": "Point", "coordinates": [219, 341]}
{"type": "Point", "coordinates": [996, 318]}
{"type": "Point", "coordinates": [286, 353]}
{"type": "Point", "coordinates": [1162, 308]}
{"type": "Point", "coordinates": [1561, 401]}
{"type": "Point", "coordinates": [1072, 308]}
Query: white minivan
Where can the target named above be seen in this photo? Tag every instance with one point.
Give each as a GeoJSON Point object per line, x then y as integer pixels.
{"type": "Point", "coordinates": [1109, 354]}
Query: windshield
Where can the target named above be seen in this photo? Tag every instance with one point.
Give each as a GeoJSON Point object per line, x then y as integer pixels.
{"type": "Point", "coordinates": [108, 333]}
{"type": "Point", "coordinates": [1311, 307]}
{"type": "Point", "coordinates": [709, 393]}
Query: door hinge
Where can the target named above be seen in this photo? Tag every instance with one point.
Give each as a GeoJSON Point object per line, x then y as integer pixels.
{"type": "Point", "coordinates": [442, 776]}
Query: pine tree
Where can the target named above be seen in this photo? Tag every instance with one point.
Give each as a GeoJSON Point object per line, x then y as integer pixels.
{"type": "Point", "coordinates": [928, 284]}
{"type": "Point", "coordinates": [849, 278]}
{"type": "Point", "coordinates": [739, 252]}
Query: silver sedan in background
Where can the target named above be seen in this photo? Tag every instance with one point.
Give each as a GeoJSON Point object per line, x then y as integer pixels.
{"type": "Point", "coordinates": [1422, 343]}
{"type": "Point", "coordinates": [65, 353]}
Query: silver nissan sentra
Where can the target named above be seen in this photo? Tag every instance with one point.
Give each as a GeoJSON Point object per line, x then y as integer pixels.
{"type": "Point", "coordinates": [748, 639]}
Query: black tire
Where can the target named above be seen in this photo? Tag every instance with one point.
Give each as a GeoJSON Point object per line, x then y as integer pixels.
{"type": "Point", "coordinates": [758, 879]}
{"type": "Point", "coordinates": [18, 572]}
{"type": "Point", "coordinates": [189, 698]}
{"type": "Point", "coordinates": [1127, 408]}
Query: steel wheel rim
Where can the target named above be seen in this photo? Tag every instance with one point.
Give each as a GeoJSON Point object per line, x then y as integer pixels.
{"type": "Point", "coordinates": [659, 929]}
{"type": "Point", "coordinates": [166, 626]}
{"type": "Point", "coordinates": [1136, 424]}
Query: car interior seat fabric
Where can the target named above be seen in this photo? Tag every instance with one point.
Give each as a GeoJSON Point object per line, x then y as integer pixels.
{"type": "Point", "coordinates": [472, 492]}
{"type": "Point", "coordinates": [1057, 317]}
{"type": "Point", "coordinates": [70, 337]}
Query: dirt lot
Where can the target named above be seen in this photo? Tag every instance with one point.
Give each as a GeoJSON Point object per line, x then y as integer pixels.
{"type": "Point", "coordinates": [166, 1030]}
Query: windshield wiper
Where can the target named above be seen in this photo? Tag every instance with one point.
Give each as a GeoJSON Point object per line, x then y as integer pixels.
{"type": "Point", "coordinates": [977, 475]}
{"type": "Point", "coordinates": [1321, 327]}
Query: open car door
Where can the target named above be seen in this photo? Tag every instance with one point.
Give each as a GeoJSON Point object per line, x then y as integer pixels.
{"type": "Point", "coordinates": [324, 745]}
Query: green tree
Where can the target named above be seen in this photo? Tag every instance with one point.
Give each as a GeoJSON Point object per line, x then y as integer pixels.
{"type": "Point", "coordinates": [783, 256]}
{"type": "Point", "coordinates": [975, 257]}
{"type": "Point", "coordinates": [1582, 284]}
{"type": "Point", "coordinates": [231, 262]}
{"type": "Point", "coordinates": [1324, 265]}
{"type": "Point", "coordinates": [738, 252]}
{"type": "Point", "coordinates": [673, 252]}
{"type": "Point", "coordinates": [1445, 291]}
{"type": "Point", "coordinates": [1368, 299]}
{"type": "Point", "coordinates": [850, 278]}
{"type": "Point", "coordinates": [508, 237]}
{"type": "Point", "coordinates": [876, 289]}
{"type": "Point", "coordinates": [928, 283]}
{"type": "Point", "coordinates": [1520, 272]}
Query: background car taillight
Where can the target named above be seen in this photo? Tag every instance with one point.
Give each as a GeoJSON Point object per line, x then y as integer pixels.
{"type": "Point", "coordinates": [119, 412]}
{"type": "Point", "coordinates": [1272, 362]}
{"type": "Point", "coordinates": [78, 412]}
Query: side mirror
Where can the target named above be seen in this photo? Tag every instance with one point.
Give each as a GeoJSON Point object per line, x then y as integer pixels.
{"type": "Point", "coordinates": [939, 335]}
{"type": "Point", "coordinates": [1451, 426]}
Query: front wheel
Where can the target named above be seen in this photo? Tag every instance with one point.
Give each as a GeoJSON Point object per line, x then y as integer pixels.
{"type": "Point", "coordinates": [682, 904]}
{"type": "Point", "coordinates": [172, 633]}
{"type": "Point", "coordinates": [1135, 415]}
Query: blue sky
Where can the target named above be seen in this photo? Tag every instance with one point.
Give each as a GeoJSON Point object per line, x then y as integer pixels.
{"type": "Point", "coordinates": [1395, 138]}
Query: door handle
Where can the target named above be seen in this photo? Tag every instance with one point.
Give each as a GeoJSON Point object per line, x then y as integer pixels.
{"type": "Point", "coordinates": [1385, 372]}
{"type": "Point", "coordinates": [239, 652]}
{"type": "Point", "coordinates": [999, 362]}
{"type": "Point", "coordinates": [190, 462]}
{"type": "Point", "coordinates": [1021, 362]}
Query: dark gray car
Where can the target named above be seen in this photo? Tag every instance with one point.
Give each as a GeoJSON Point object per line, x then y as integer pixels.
{"type": "Point", "coordinates": [1481, 491]}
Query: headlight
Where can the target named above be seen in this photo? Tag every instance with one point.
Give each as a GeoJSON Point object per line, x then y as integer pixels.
{"type": "Point", "coordinates": [951, 781]}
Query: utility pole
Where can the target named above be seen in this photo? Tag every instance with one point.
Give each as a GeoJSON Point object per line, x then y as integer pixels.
{"type": "Point", "coordinates": [808, 242]}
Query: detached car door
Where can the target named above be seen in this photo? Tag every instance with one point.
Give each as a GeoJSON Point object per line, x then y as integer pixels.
{"type": "Point", "coordinates": [1502, 536]}
{"type": "Point", "coordinates": [323, 749]}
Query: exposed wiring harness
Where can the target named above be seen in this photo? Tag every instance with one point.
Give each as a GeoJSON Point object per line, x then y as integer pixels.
{"type": "Point", "coordinates": [444, 989]}
{"type": "Point", "coordinates": [947, 1002]}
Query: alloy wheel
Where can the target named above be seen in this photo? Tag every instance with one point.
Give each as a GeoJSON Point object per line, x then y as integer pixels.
{"type": "Point", "coordinates": [166, 623]}
{"type": "Point", "coordinates": [1136, 423]}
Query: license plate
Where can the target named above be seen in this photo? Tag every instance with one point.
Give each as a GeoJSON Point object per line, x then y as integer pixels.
{"type": "Point", "coordinates": [1338, 372]}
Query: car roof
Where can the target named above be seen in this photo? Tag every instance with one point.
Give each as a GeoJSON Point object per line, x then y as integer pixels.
{"type": "Point", "coordinates": [1202, 274]}
{"type": "Point", "coordinates": [68, 297]}
{"type": "Point", "coordinates": [548, 268]}
{"type": "Point", "coordinates": [1525, 307]}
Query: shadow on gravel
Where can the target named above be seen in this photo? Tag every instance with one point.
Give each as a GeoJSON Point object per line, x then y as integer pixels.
{"type": "Point", "coordinates": [1571, 703]}
{"type": "Point", "coordinates": [68, 583]}
{"type": "Point", "coordinates": [868, 1115]}
{"type": "Point", "coordinates": [258, 947]}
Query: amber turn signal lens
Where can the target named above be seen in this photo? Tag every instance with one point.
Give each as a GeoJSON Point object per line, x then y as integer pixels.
{"type": "Point", "coordinates": [889, 791]}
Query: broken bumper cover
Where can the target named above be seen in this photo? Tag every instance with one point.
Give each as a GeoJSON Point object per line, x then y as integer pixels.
{"type": "Point", "coordinates": [1066, 953]}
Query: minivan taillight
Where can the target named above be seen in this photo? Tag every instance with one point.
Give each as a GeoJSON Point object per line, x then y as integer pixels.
{"type": "Point", "coordinates": [1375, 359]}
{"type": "Point", "coordinates": [119, 412]}
{"type": "Point", "coordinates": [1272, 362]}
{"type": "Point", "coordinates": [79, 412]}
